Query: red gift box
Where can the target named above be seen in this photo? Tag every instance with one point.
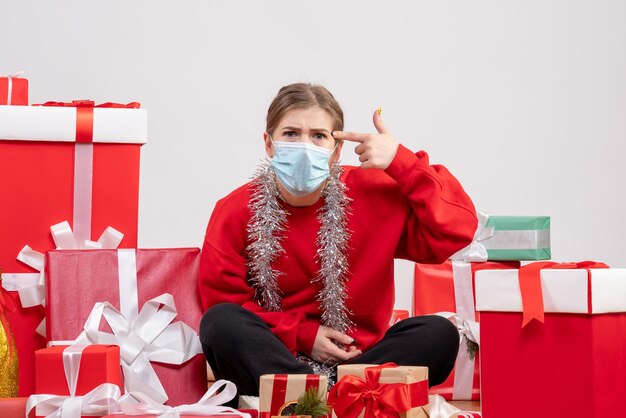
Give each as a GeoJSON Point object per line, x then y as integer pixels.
{"type": "Point", "coordinates": [13, 90]}
{"type": "Point", "coordinates": [77, 280]}
{"type": "Point", "coordinates": [448, 287]}
{"type": "Point", "coordinates": [98, 364]}
{"type": "Point", "coordinates": [40, 157]}
{"type": "Point", "coordinates": [578, 353]}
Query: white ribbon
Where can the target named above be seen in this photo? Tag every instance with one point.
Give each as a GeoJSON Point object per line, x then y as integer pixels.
{"type": "Point", "coordinates": [439, 408]}
{"type": "Point", "coordinates": [151, 337]}
{"type": "Point", "coordinates": [31, 286]}
{"type": "Point", "coordinates": [477, 251]}
{"type": "Point", "coordinates": [137, 403]}
{"type": "Point", "coordinates": [468, 328]}
{"type": "Point", "coordinates": [101, 400]}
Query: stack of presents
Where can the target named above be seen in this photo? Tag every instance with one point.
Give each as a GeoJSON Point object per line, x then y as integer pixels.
{"type": "Point", "coordinates": [92, 326]}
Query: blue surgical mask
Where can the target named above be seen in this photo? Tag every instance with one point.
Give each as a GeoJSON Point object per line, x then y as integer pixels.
{"type": "Point", "coordinates": [301, 167]}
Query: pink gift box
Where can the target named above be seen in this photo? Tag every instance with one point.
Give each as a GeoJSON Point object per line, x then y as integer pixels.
{"type": "Point", "coordinates": [76, 280]}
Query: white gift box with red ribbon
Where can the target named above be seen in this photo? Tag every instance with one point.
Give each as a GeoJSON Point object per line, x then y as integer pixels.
{"type": "Point", "coordinates": [569, 345]}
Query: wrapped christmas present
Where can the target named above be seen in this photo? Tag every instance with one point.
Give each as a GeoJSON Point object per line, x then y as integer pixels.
{"type": "Point", "coordinates": [279, 392]}
{"type": "Point", "coordinates": [75, 381]}
{"type": "Point", "coordinates": [557, 328]}
{"type": "Point", "coordinates": [143, 300]}
{"type": "Point", "coordinates": [385, 391]}
{"type": "Point", "coordinates": [508, 238]}
{"type": "Point", "coordinates": [13, 89]}
{"type": "Point", "coordinates": [75, 165]}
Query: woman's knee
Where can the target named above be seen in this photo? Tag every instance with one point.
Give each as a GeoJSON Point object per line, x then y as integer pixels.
{"type": "Point", "coordinates": [220, 321]}
{"type": "Point", "coordinates": [443, 330]}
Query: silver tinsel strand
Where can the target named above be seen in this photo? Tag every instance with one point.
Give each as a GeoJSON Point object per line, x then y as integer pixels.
{"type": "Point", "coordinates": [265, 229]}
{"type": "Point", "coordinates": [264, 232]}
{"type": "Point", "coordinates": [332, 245]}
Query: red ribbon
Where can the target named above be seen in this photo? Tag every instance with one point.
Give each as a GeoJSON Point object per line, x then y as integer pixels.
{"type": "Point", "coordinates": [530, 285]}
{"type": "Point", "coordinates": [84, 115]}
{"type": "Point", "coordinates": [352, 394]}
{"type": "Point", "coordinates": [7, 304]}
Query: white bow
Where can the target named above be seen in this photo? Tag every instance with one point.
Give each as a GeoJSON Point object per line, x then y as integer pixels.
{"type": "Point", "coordinates": [476, 251]}
{"type": "Point", "coordinates": [150, 337]}
{"type": "Point", "coordinates": [137, 403]}
{"type": "Point", "coordinates": [31, 286]}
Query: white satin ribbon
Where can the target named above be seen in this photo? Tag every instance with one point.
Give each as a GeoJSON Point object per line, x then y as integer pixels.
{"type": "Point", "coordinates": [32, 291]}
{"type": "Point", "coordinates": [477, 251]}
{"type": "Point", "coordinates": [83, 184]}
{"type": "Point", "coordinates": [151, 337]}
{"type": "Point", "coordinates": [137, 403]}
{"type": "Point", "coordinates": [468, 328]}
{"type": "Point", "coordinates": [439, 408]}
{"type": "Point", "coordinates": [101, 400]}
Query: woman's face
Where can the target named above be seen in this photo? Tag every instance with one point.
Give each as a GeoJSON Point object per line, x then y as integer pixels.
{"type": "Point", "coordinates": [313, 125]}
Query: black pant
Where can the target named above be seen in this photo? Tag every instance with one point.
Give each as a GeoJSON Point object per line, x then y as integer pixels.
{"type": "Point", "coordinates": [240, 347]}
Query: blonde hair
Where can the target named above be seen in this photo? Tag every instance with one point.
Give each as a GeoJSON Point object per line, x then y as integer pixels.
{"type": "Point", "coordinates": [303, 96]}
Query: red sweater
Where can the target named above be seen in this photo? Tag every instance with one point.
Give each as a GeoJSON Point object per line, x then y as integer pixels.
{"type": "Point", "coordinates": [411, 210]}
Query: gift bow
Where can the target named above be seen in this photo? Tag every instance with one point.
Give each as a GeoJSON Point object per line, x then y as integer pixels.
{"type": "Point", "coordinates": [91, 103]}
{"type": "Point", "coordinates": [476, 251]}
{"type": "Point", "coordinates": [14, 75]}
{"type": "Point", "coordinates": [530, 285]}
{"type": "Point", "coordinates": [151, 336]}
{"type": "Point", "coordinates": [31, 286]}
{"type": "Point", "coordinates": [468, 329]}
{"type": "Point", "coordinates": [137, 403]}
{"type": "Point", "coordinates": [101, 400]}
{"type": "Point", "coordinates": [352, 394]}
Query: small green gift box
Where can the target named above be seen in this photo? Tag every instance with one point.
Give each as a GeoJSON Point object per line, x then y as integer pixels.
{"type": "Point", "coordinates": [508, 238]}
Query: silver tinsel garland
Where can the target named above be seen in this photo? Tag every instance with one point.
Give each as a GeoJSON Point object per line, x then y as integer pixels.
{"type": "Point", "coordinates": [265, 229]}
{"type": "Point", "coordinates": [264, 232]}
{"type": "Point", "coordinates": [332, 244]}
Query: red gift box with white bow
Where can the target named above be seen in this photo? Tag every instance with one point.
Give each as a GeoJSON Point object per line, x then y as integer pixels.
{"type": "Point", "coordinates": [64, 165]}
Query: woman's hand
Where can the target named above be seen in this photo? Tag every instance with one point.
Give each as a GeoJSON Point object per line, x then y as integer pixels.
{"type": "Point", "coordinates": [325, 351]}
{"type": "Point", "coordinates": [374, 150]}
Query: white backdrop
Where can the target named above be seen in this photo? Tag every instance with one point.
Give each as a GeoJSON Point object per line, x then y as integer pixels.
{"type": "Point", "coordinates": [524, 101]}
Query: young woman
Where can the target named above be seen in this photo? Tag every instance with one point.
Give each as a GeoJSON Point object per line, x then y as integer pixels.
{"type": "Point", "coordinates": [297, 266]}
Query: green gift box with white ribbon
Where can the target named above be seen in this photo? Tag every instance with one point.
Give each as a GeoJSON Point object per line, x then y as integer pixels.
{"type": "Point", "coordinates": [508, 238]}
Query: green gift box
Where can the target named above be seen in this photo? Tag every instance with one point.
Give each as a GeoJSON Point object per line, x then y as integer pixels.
{"type": "Point", "coordinates": [508, 238]}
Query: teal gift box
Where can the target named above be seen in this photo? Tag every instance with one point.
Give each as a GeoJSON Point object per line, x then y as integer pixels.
{"type": "Point", "coordinates": [508, 238]}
